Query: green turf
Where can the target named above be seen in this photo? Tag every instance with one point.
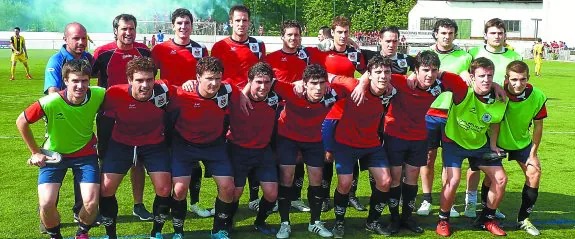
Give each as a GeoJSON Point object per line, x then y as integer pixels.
{"type": "Point", "coordinates": [18, 217]}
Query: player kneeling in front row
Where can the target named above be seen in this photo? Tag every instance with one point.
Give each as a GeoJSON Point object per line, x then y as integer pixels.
{"type": "Point", "coordinates": [135, 139]}
{"type": "Point", "coordinates": [470, 117]}
{"type": "Point", "coordinates": [526, 107]}
{"type": "Point", "coordinates": [70, 120]}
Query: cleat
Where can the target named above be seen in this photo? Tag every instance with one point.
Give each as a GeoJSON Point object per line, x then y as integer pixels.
{"type": "Point", "coordinates": [11, 78]}
{"type": "Point", "coordinates": [499, 214]}
{"type": "Point", "coordinates": [470, 210]}
{"type": "Point", "coordinates": [254, 205]}
{"type": "Point", "coordinates": [221, 235]}
{"type": "Point", "coordinates": [354, 202]}
{"type": "Point", "coordinates": [527, 226]}
{"type": "Point", "coordinates": [284, 231]}
{"type": "Point", "coordinates": [338, 230]}
{"type": "Point", "coordinates": [98, 221]}
{"type": "Point", "coordinates": [265, 229]}
{"type": "Point", "coordinates": [453, 213]}
{"type": "Point", "coordinates": [276, 207]}
{"type": "Point", "coordinates": [411, 225]}
{"type": "Point", "coordinates": [213, 211]}
{"type": "Point", "coordinates": [195, 208]}
{"type": "Point", "coordinates": [142, 213]}
{"type": "Point", "coordinates": [300, 206]}
{"type": "Point", "coordinates": [43, 228]}
{"type": "Point", "coordinates": [376, 227]}
{"type": "Point", "coordinates": [178, 236]}
{"type": "Point", "coordinates": [157, 236]}
{"type": "Point", "coordinates": [325, 205]}
{"type": "Point", "coordinates": [424, 209]}
{"type": "Point", "coordinates": [319, 228]}
{"type": "Point", "coordinates": [76, 218]}
{"type": "Point", "coordinates": [393, 226]}
{"type": "Point", "coordinates": [443, 228]}
{"type": "Point", "coordinates": [29, 77]}
{"type": "Point", "coordinates": [82, 236]}
{"type": "Point", "coordinates": [494, 228]}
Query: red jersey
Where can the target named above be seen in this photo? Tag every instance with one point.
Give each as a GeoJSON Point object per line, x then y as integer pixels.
{"type": "Point", "coordinates": [301, 120]}
{"type": "Point", "coordinates": [130, 127]}
{"type": "Point", "coordinates": [35, 112]}
{"type": "Point", "coordinates": [201, 120]}
{"type": "Point", "coordinates": [110, 62]}
{"type": "Point", "coordinates": [405, 118]}
{"type": "Point", "coordinates": [254, 130]}
{"type": "Point", "coordinates": [358, 125]}
{"type": "Point", "coordinates": [289, 67]}
{"type": "Point", "coordinates": [238, 58]}
{"type": "Point", "coordinates": [344, 63]}
{"type": "Point", "coordinates": [177, 63]}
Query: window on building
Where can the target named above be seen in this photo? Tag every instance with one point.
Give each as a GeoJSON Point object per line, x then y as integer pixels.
{"type": "Point", "coordinates": [427, 24]}
{"type": "Point", "coordinates": [464, 26]}
{"type": "Point", "coordinates": [512, 25]}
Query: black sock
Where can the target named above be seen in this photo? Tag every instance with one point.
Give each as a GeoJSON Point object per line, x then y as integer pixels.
{"type": "Point", "coordinates": [195, 185]}
{"type": "Point", "coordinates": [160, 210]}
{"type": "Point", "coordinates": [528, 199]}
{"type": "Point", "coordinates": [340, 202]}
{"type": "Point", "coordinates": [266, 208]}
{"type": "Point", "coordinates": [394, 196]}
{"type": "Point", "coordinates": [254, 184]}
{"type": "Point", "coordinates": [221, 219]}
{"type": "Point", "coordinates": [54, 232]}
{"type": "Point", "coordinates": [372, 182]}
{"type": "Point", "coordinates": [427, 197]}
{"type": "Point", "coordinates": [326, 181]}
{"type": "Point", "coordinates": [284, 202]}
{"type": "Point", "coordinates": [409, 193]}
{"type": "Point", "coordinates": [444, 216]}
{"type": "Point", "coordinates": [315, 199]}
{"type": "Point", "coordinates": [109, 212]}
{"type": "Point", "coordinates": [355, 180]}
{"type": "Point", "coordinates": [82, 228]}
{"type": "Point", "coordinates": [298, 181]}
{"type": "Point", "coordinates": [179, 208]}
{"type": "Point", "coordinates": [233, 209]}
{"type": "Point", "coordinates": [488, 214]}
{"type": "Point", "coordinates": [377, 203]}
{"type": "Point", "coordinates": [484, 193]}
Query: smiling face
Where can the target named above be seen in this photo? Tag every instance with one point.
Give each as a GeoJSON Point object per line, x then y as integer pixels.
{"type": "Point", "coordinates": [126, 32]}
{"type": "Point", "coordinates": [379, 77]}
{"type": "Point", "coordinates": [482, 80]}
{"type": "Point", "coordinates": [426, 76]}
{"type": "Point", "coordinates": [76, 39]}
{"type": "Point", "coordinates": [209, 83]}
{"type": "Point", "coordinates": [315, 89]}
{"type": "Point", "coordinates": [182, 27]}
{"type": "Point", "coordinates": [291, 38]}
{"type": "Point", "coordinates": [517, 81]}
{"type": "Point", "coordinates": [260, 87]}
{"type": "Point", "coordinates": [142, 85]}
{"type": "Point", "coordinates": [76, 86]}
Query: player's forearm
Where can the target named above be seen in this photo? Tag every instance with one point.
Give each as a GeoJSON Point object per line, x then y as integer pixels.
{"type": "Point", "coordinates": [26, 132]}
{"type": "Point", "coordinates": [537, 135]}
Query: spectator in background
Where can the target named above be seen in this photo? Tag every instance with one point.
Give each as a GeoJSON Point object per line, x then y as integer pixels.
{"type": "Point", "coordinates": [325, 39]}
{"type": "Point", "coordinates": [160, 36]}
{"type": "Point", "coordinates": [153, 41]}
{"type": "Point", "coordinates": [261, 30]}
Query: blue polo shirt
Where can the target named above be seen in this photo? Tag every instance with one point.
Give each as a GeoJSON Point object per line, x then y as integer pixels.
{"type": "Point", "coordinates": [53, 74]}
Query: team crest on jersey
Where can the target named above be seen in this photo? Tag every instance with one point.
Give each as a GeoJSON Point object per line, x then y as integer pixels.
{"type": "Point", "coordinates": [385, 99]}
{"type": "Point", "coordinates": [197, 52]}
{"type": "Point", "coordinates": [486, 118]}
{"type": "Point", "coordinates": [273, 100]}
{"type": "Point", "coordinates": [173, 52]}
{"type": "Point", "coordinates": [302, 55]}
{"type": "Point", "coordinates": [222, 101]}
{"type": "Point", "coordinates": [284, 59]}
{"type": "Point", "coordinates": [352, 56]}
{"type": "Point", "coordinates": [435, 89]}
{"type": "Point", "coordinates": [402, 63]}
{"type": "Point", "coordinates": [254, 47]}
{"type": "Point", "coordinates": [161, 100]}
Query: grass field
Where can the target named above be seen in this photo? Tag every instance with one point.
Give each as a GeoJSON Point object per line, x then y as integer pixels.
{"type": "Point", "coordinates": [554, 213]}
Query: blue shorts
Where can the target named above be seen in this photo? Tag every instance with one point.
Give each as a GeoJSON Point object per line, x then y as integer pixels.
{"type": "Point", "coordinates": [453, 156]}
{"type": "Point", "coordinates": [85, 170]}
{"type": "Point", "coordinates": [520, 155]}
{"type": "Point", "coordinates": [400, 151]}
{"type": "Point", "coordinates": [245, 159]}
{"type": "Point", "coordinates": [312, 152]}
{"type": "Point", "coordinates": [346, 158]}
{"type": "Point", "coordinates": [185, 157]}
{"type": "Point", "coordinates": [435, 129]}
{"type": "Point", "coordinates": [328, 134]}
{"type": "Point", "coordinates": [120, 157]}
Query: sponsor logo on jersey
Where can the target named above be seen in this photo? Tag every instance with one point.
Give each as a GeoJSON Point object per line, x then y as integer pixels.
{"type": "Point", "coordinates": [173, 52]}
{"type": "Point", "coordinates": [127, 56]}
{"type": "Point", "coordinates": [486, 117]}
{"type": "Point", "coordinates": [131, 106]}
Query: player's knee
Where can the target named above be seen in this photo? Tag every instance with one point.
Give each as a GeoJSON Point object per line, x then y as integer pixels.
{"type": "Point", "coordinates": [383, 184]}
{"type": "Point", "coordinates": [180, 192]}
{"type": "Point", "coordinates": [533, 174]}
{"type": "Point", "coordinates": [344, 185]}
{"type": "Point", "coordinates": [226, 190]}
{"type": "Point", "coordinates": [271, 195]}
{"type": "Point", "coordinates": [91, 206]}
{"type": "Point", "coordinates": [163, 190]}
{"type": "Point", "coordinates": [47, 204]}
{"type": "Point", "coordinates": [500, 180]}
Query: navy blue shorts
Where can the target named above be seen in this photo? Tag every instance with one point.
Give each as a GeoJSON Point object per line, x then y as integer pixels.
{"type": "Point", "coordinates": [85, 170]}
{"type": "Point", "coordinates": [328, 134]}
{"type": "Point", "coordinates": [400, 151]}
{"type": "Point", "coordinates": [346, 158]}
{"type": "Point", "coordinates": [312, 152]}
{"type": "Point", "coordinates": [185, 157]}
{"type": "Point", "coordinates": [453, 156]}
{"type": "Point", "coordinates": [120, 157]}
{"type": "Point", "coordinates": [245, 159]}
{"type": "Point", "coordinates": [520, 155]}
{"type": "Point", "coordinates": [435, 129]}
